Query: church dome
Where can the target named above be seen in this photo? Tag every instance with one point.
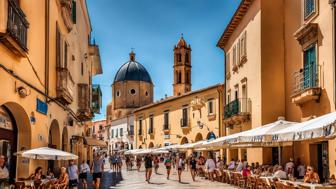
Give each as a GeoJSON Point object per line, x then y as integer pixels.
{"type": "Point", "coordinates": [132, 70]}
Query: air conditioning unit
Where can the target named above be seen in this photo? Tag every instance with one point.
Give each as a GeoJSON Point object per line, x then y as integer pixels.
{"type": "Point", "coordinates": [167, 136]}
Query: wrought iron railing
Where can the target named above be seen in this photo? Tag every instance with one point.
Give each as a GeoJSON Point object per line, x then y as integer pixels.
{"type": "Point", "coordinates": [17, 25]}
{"type": "Point", "coordinates": [237, 106]}
{"type": "Point", "coordinates": [63, 88]}
{"type": "Point", "coordinates": [305, 78]}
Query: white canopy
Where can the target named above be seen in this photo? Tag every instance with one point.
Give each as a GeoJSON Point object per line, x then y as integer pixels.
{"type": "Point", "coordinates": [323, 126]}
{"type": "Point", "coordinates": [190, 145]}
{"type": "Point", "coordinates": [160, 151]}
{"type": "Point", "coordinates": [46, 153]}
{"type": "Point", "coordinates": [254, 135]}
{"type": "Point", "coordinates": [259, 134]}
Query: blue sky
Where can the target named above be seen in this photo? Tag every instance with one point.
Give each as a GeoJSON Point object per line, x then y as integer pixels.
{"type": "Point", "coordinates": [152, 28]}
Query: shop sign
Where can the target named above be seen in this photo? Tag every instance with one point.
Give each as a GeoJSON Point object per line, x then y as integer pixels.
{"type": "Point", "coordinates": [41, 107]}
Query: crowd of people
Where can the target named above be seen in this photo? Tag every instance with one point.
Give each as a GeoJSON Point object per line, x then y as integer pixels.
{"type": "Point", "coordinates": [210, 168]}
{"type": "Point", "coordinates": [213, 168]}
{"type": "Point", "coordinates": [70, 176]}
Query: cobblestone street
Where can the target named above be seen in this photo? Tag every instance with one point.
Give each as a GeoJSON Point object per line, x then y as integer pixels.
{"type": "Point", "coordinates": [134, 179]}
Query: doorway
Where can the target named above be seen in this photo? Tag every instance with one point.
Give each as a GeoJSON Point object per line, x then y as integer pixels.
{"type": "Point", "coordinates": [8, 139]}
{"type": "Point", "coordinates": [319, 159]}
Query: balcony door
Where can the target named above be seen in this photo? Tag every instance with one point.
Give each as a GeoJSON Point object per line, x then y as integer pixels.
{"type": "Point", "coordinates": [310, 68]}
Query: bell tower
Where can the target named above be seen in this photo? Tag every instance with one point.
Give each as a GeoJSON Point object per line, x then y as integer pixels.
{"type": "Point", "coordinates": [182, 67]}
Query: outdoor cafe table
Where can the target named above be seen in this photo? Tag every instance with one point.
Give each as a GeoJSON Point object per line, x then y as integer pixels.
{"type": "Point", "coordinates": [300, 183]}
{"type": "Point", "coordinates": [310, 185]}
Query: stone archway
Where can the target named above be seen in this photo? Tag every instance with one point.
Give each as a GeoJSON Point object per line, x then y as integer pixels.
{"type": "Point", "coordinates": [151, 145]}
{"type": "Point", "coordinates": [211, 136]}
{"type": "Point", "coordinates": [54, 141]}
{"type": "Point", "coordinates": [16, 138]}
{"type": "Point", "coordinates": [65, 140]}
{"type": "Point", "coordinates": [198, 137]}
{"type": "Point", "coordinates": [184, 140]}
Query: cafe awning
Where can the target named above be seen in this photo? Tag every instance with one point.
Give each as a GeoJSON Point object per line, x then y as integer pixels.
{"type": "Point", "coordinates": [320, 127]}
{"type": "Point", "coordinates": [94, 142]}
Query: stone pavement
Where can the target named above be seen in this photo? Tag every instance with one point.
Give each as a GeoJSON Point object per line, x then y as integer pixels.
{"type": "Point", "coordinates": [134, 179]}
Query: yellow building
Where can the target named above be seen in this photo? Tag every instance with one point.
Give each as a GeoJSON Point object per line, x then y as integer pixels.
{"type": "Point", "coordinates": [280, 61]}
{"type": "Point", "coordinates": [46, 68]}
{"type": "Point", "coordinates": [186, 117]}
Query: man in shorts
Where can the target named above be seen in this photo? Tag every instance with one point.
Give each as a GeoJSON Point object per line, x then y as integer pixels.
{"type": "Point", "coordinates": [148, 166]}
{"type": "Point", "coordinates": [97, 169]}
{"type": "Point", "coordinates": [73, 174]}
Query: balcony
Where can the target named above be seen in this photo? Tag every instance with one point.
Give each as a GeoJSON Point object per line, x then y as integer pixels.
{"type": "Point", "coordinates": [84, 112]}
{"type": "Point", "coordinates": [166, 128]}
{"type": "Point", "coordinates": [95, 59]}
{"type": "Point", "coordinates": [68, 11]}
{"type": "Point", "coordinates": [185, 123]}
{"type": "Point", "coordinates": [96, 98]}
{"type": "Point", "coordinates": [13, 27]}
{"type": "Point", "coordinates": [63, 88]}
{"type": "Point", "coordinates": [306, 85]}
{"type": "Point", "coordinates": [237, 111]}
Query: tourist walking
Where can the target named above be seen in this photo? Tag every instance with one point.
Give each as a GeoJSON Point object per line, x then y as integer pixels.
{"type": "Point", "coordinates": [73, 174]}
{"type": "Point", "coordinates": [210, 166]}
{"type": "Point", "coordinates": [97, 169]}
{"type": "Point", "coordinates": [156, 164]}
{"type": "Point", "coordinates": [148, 166]}
{"type": "Point", "coordinates": [168, 164]}
{"type": "Point", "coordinates": [138, 162]}
{"type": "Point", "coordinates": [180, 167]}
{"type": "Point", "coordinates": [4, 174]}
{"type": "Point", "coordinates": [119, 163]}
{"type": "Point", "coordinates": [84, 170]}
{"type": "Point", "coordinates": [192, 164]}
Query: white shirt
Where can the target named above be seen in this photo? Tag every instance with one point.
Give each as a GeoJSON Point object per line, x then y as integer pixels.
{"type": "Point", "coordinates": [289, 165]}
{"type": "Point", "coordinates": [181, 162]}
{"type": "Point", "coordinates": [232, 165]}
{"type": "Point", "coordinates": [210, 165]}
{"type": "Point", "coordinates": [84, 168]}
{"type": "Point", "coordinates": [73, 172]}
{"type": "Point", "coordinates": [240, 166]}
{"type": "Point", "coordinates": [4, 174]}
{"type": "Point", "coordinates": [280, 174]}
{"type": "Point", "coordinates": [302, 171]}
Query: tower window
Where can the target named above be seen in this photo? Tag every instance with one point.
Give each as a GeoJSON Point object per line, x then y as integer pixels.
{"type": "Point", "coordinates": [179, 58]}
{"type": "Point", "coordinates": [179, 79]}
{"type": "Point", "coordinates": [187, 57]}
{"type": "Point", "coordinates": [118, 93]}
{"type": "Point", "coordinates": [146, 93]}
{"type": "Point", "coordinates": [132, 91]}
{"type": "Point", "coordinates": [187, 77]}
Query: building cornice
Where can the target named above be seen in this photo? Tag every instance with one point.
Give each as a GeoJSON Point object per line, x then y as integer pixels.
{"type": "Point", "coordinates": [234, 23]}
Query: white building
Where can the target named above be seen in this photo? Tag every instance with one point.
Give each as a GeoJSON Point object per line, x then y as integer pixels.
{"type": "Point", "coordinates": [121, 132]}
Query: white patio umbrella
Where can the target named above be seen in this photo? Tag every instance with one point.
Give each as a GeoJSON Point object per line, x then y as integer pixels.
{"type": "Point", "coordinates": [45, 153]}
{"type": "Point", "coordinates": [160, 151]}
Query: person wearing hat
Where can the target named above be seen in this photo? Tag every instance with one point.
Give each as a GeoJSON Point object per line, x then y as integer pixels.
{"type": "Point", "coordinates": [289, 168]}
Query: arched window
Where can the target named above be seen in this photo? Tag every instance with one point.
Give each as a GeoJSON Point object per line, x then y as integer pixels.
{"type": "Point", "coordinates": [179, 77]}
{"type": "Point", "coordinates": [187, 57]}
{"type": "Point", "coordinates": [187, 77]}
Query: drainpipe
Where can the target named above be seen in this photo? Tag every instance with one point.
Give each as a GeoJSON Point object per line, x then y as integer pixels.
{"type": "Point", "coordinates": [46, 44]}
{"type": "Point", "coordinates": [333, 7]}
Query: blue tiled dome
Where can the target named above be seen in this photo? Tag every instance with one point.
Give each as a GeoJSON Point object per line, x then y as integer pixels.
{"type": "Point", "coordinates": [132, 70]}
